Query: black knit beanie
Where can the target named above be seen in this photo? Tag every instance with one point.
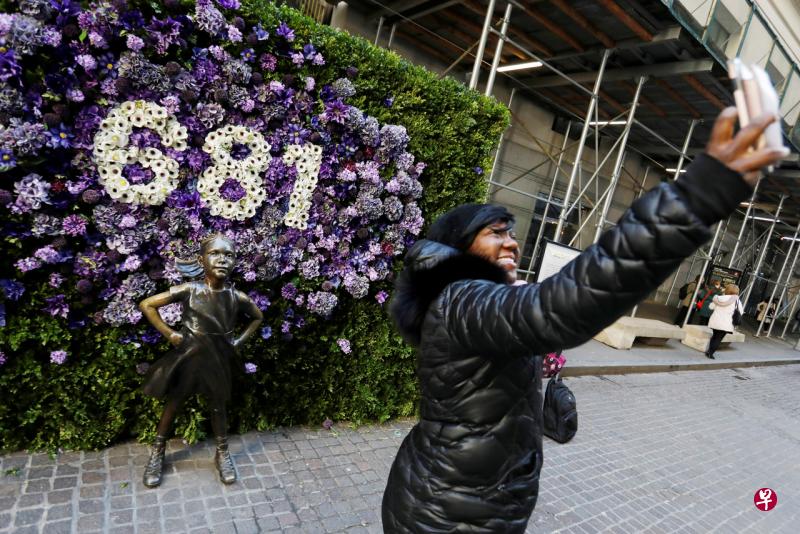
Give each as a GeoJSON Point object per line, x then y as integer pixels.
{"type": "Point", "coordinates": [459, 226]}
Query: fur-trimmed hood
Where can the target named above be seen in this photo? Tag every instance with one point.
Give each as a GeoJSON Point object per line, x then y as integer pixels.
{"type": "Point", "coordinates": [431, 266]}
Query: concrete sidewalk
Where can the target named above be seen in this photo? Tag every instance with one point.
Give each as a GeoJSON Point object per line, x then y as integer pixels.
{"type": "Point", "coordinates": [313, 480]}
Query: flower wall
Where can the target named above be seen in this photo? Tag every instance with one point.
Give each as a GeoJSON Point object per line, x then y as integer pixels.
{"type": "Point", "coordinates": [130, 130]}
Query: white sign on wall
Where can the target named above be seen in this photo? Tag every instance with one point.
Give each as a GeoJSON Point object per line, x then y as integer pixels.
{"type": "Point", "coordinates": [554, 257]}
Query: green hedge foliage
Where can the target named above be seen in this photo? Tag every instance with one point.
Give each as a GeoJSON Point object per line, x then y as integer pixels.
{"type": "Point", "coordinates": [94, 398]}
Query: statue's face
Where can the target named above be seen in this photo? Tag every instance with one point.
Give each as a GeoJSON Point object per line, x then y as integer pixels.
{"type": "Point", "coordinates": [218, 259]}
{"type": "Point", "coordinates": [496, 242]}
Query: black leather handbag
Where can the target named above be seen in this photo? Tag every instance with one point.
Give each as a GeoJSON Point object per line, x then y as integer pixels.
{"type": "Point", "coordinates": [560, 414]}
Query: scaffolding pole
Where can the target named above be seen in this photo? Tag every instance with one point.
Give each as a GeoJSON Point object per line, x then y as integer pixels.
{"type": "Point", "coordinates": [620, 158]}
{"type": "Point", "coordinates": [686, 142]}
{"type": "Point", "coordinates": [763, 254]}
{"type": "Point", "coordinates": [498, 50]}
{"type": "Point", "coordinates": [476, 67]}
{"type": "Point", "coordinates": [499, 147]}
{"type": "Point", "coordinates": [777, 283]}
{"type": "Point", "coordinates": [540, 233]}
{"type": "Point", "coordinates": [703, 270]}
{"type": "Point", "coordinates": [785, 289]}
{"type": "Point", "coordinates": [378, 33]}
{"type": "Point", "coordinates": [791, 314]}
{"type": "Point", "coordinates": [744, 224]}
{"type": "Point", "coordinates": [579, 153]}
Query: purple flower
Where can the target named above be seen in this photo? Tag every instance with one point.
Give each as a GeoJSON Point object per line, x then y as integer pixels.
{"type": "Point", "coordinates": [75, 95]}
{"type": "Point", "coordinates": [248, 54]}
{"type": "Point", "coordinates": [55, 280]}
{"type": "Point", "coordinates": [9, 67]}
{"type": "Point", "coordinates": [229, 4]}
{"type": "Point", "coordinates": [27, 264]}
{"type": "Point", "coordinates": [234, 35]}
{"type": "Point", "coordinates": [86, 61]}
{"type": "Point", "coordinates": [2, 358]}
{"type": "Point", "coordinates": [288, 291]}
{"type": "Point", "coordinates": [318, 60]}
{"type": "Point", "coordinates": [297, 58]}
{"type": "Point", "coordinates": [134, 42]}
{"type": "Point", "coordinates": [381, 296]}
{"type": "Point", "coordinates": [7, 160]}
{"type": "Point", "coordinates": [83, 286]}
{"type": "Point", "coordinates": [266, 332]}
{"type": "Point", "coordinates": [344, 345]}
{"type": "Point", "coordinates": [57, 306]}
{"type": "Point", "coordinates": [58, 357]}
{"type": "Point", "coordinates": [48, 254]}
{"type": "Point", "coordinates": [74, 225]}
{"type": "Point", "coordinates": [388, 101]}
{"type": "Point", "coordinates": [285, 31]}
{"type": "Point", "coordinates": [478, 170]}
{"type": "Point", "coordinates": [322, 303]}
{"type": "Point", "coordinates": [261, 33]}
{"type": "Point", "coordinates": [269, 62]}
{"type": "Point", "coordinates": [60, 137]}
{"type": "Point", "coordinates": [12, 289]}
{"type": "Point", "coordinates": [250, 368]}
{"type": "Point", "coordinates": [327, 424]}
{"type": "Point", "coordinates": [232, 190]}
{"type": "Point", "coordinates": [261, 301]}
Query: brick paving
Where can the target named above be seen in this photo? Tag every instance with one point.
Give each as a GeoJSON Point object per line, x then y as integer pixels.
{"type": "Point", "coordinates": [655, 453]}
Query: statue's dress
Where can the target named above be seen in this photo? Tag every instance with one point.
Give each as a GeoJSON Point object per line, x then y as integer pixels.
{"type": "Point", "coordinates": [201, 363]}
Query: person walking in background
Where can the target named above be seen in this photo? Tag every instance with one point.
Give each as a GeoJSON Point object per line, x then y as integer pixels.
{"type": "Point", "coordinates": [766, 312]}
{"type": "Point", "coordinates": [685, 294]}
{"type": "Point", "coordinates": [721, 320]}
{"type": "Point", "coordinates": [703, 305]}
{"type": "Point", "coordinates": [471, 464]}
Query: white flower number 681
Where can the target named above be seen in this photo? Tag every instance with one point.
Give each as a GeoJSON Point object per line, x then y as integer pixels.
{"type": "Point", "coordinates": [112, 152]}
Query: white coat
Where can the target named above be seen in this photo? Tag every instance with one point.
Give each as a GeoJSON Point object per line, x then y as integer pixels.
{"type": "Point", "coordinates": [722, 316]}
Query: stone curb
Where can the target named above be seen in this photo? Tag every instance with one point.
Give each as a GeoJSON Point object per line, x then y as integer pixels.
{"type": "Point", "coordinates": [636, 368]}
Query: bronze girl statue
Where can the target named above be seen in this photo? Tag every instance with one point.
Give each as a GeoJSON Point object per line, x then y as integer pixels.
{"type": "Point", "coordinates": [204, 347]}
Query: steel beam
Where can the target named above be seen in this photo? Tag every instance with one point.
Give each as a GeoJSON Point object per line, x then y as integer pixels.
{"type": "Point", "coordinates": [498, 50]}
{"type": "Point", "coordinates": [628, 73]}
{"type": "Point", "coordinates": [500, 145]}
{"type": "Point", "coordinates": [686, 142]}
{"type": "Point", "coordinates": [620, 158]}
{"type": "Point", "coordinates": [476, 68]}
{"type": "Point", "coordinates": [777, 283]}
{"type": "Point", "coordinates": [763, 255]}
{"type": "Point", "coordinates": [744, 224]}
{"type": "Point", "coordinates": [790, 317]}
{"type": "Point", "coordinates": [581, 142]}
{"type": "Point", "coordinates": [540, 233]}
{"type": "Point", "coordinates": [703, 273]}
{"type": "Point", "coordinates": [584, 23]}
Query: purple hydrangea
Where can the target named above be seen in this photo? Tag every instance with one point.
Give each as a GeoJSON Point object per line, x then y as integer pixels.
{"type": "Point", "coordinates": [58, 357]}
{"type": "Point", "coordinates": [266, 332]}
{"type": "Point", "coordinates": [285, 31]}
{"type": "Point", "coordinates": [12, 290]}
{"type": "Point", "coordinates": [57, 306]}
{"type": "Point", "coordinates": [250, 368]}
{"type": "Point", "coordinates": [381, 296]}
{"type": "Point", "coordinates": [232, 190]}
{"type": "Point", "coordinates": [74, 225]}
{"type": "Point", "coordinates": [2, 358]}
{"type": "Point", "coordinates": [321, 302]}
{"type": "Point", "coordinates": [344, 345]}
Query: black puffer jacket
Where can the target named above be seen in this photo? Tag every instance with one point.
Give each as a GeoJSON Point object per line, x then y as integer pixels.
{"type": "Point", "coordinates": [472, 462]}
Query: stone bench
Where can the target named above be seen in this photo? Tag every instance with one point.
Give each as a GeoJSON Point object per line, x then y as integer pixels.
{"type": "Point", "coordinates": [698, 337]}
{"type": "Point", "coordinates": [626, 330]}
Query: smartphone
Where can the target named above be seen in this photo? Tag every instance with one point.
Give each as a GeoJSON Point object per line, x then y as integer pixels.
{"type": "Point", "coordinates": [754, 94]}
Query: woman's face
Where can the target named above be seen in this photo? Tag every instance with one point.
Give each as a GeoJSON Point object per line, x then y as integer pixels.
{"type": "Point", "coordinates": [496, 242]}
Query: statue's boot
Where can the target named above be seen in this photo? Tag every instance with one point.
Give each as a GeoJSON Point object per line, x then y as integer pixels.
{"type": "Point", "coordinates": [224, 462]}
{"type": "Point", "coordinates": [152, 471]}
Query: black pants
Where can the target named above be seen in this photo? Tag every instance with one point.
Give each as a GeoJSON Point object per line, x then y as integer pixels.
{"type": "Point", "coordinates": [716, 340]}
{"type": "Point", "coordinates": [679, 318]}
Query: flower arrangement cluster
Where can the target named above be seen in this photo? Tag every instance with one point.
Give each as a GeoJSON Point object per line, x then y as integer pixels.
{"type": "Point", "coordinates": [129, 130]}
